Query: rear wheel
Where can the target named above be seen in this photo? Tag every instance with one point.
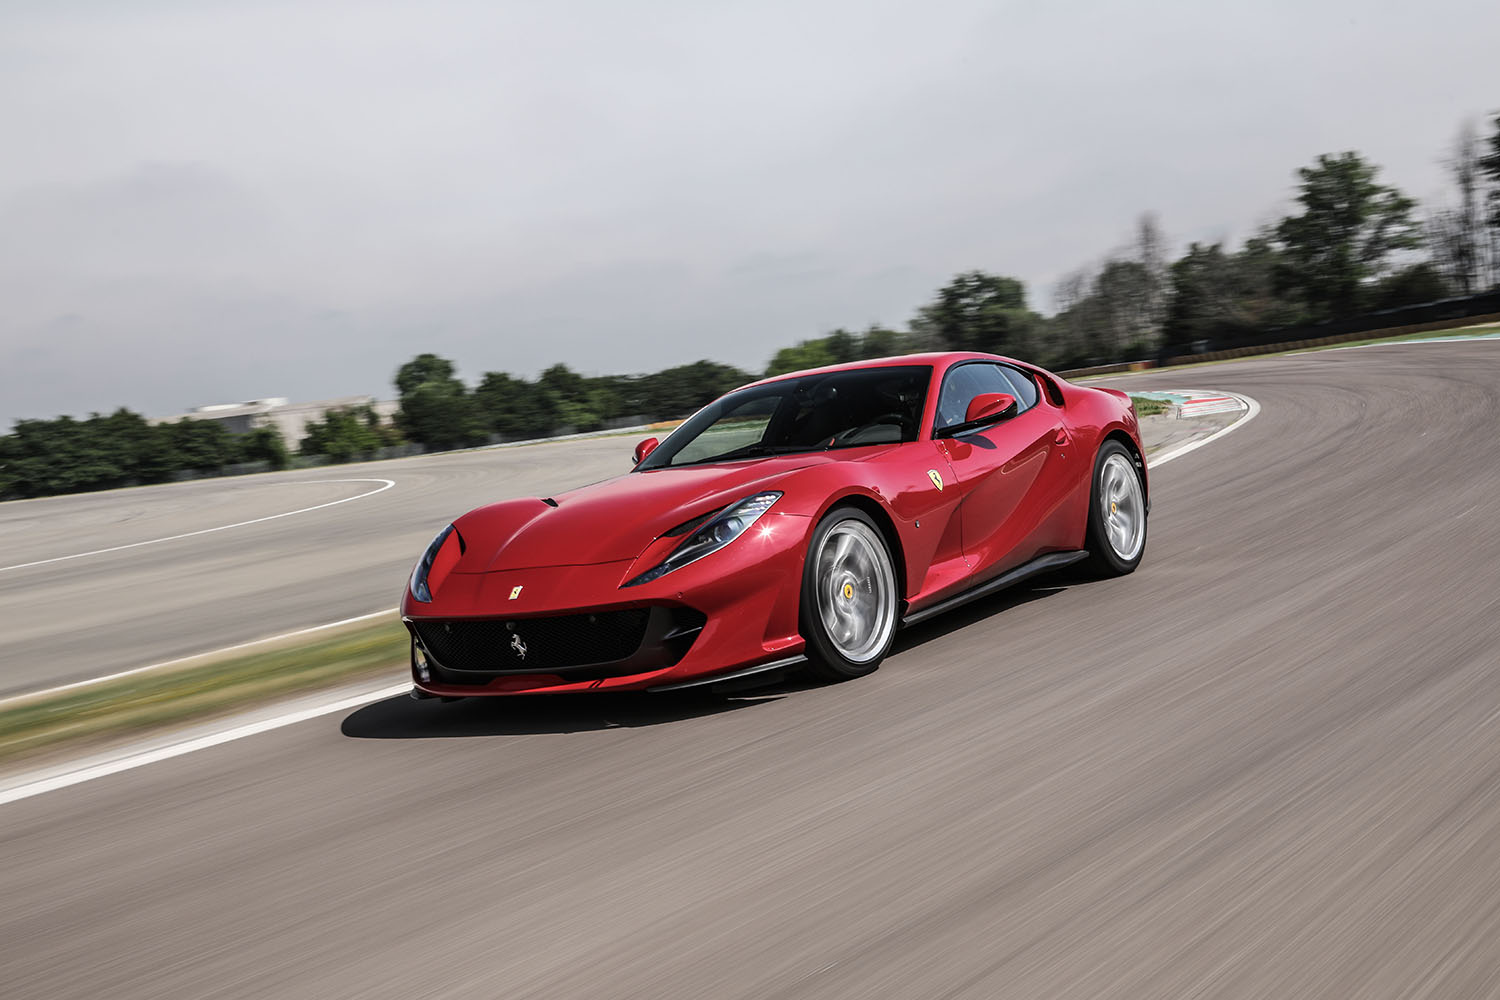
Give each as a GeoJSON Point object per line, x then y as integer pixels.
{"type": "Point", "coordinates": [1117, 513]}
{"type": "Point", "coordinates": [848, 597]}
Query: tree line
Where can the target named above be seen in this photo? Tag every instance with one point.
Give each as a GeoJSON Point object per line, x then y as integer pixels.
{"type": "Point", "coordinates": [1352, 244]}
{"type": "Point", "coordinates": [46, 457]}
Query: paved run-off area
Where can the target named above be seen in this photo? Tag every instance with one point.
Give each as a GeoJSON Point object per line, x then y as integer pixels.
{"type": "Point", "coordinates": [1266, 764]}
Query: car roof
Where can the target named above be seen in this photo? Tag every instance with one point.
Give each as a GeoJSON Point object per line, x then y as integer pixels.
{"type": "Point", "coordinates": [937, 359]}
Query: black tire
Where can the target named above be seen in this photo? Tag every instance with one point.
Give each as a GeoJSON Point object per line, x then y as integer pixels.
{"type": "Point", "coordinates": [868, 584]}
{"type": "Point", "coordinates": [1108, 556]}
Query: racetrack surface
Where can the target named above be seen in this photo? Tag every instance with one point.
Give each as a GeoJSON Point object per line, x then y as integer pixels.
{"type": "Point", "coordinates": [98, 583]}
{"type": "Point", "coordinates": [1264, 765]}
{"type": "Point", "coordinates": [66, 619]}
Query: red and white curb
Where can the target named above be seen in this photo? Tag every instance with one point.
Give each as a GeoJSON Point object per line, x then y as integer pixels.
{"type": "Point", "coordinates": [1252, 410]}
{"type": "Point", "coordinates": [1202, 404]}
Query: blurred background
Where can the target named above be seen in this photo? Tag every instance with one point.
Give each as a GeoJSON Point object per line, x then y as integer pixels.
{"type": "Point", "coordinates": [555, 218]}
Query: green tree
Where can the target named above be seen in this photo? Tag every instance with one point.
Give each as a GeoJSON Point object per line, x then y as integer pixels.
{"type": "Point", "coordinates": [685, 389]}
{"type": "Point", "coordinates": [1349, 229]}
{"type": "Point", "coordinates": [843, 346]}
{"type": "Point", "coordinates": [344, 434]}
{"type": "Point", "coordinates": [807, 354]}
{"type": "Point", "coordinates": [979, 312]}
{"type": "Point", "coordinates": [565, 385]}
{"type": "Point", "coordinates": [1457, 240]}
{"type": "Point", "coordinates": [1489, 168]}
{"type": "Point", "coordinates": [264, 444]}
{"type": "Point", "coordinates": [9, 483]}
{"type": "Point", "coordinates": [1200, 302]}
{"type": "Point", "coordinates": [1410, 286]}
{"type": "Point", "coordinates": [146, 452]}
{"type": "Point", "coordinates": [442, 415]}
{"type": "Point", "coordinates": [437, 409]}
{"type": "Point", "coordinates": [878, 342]}
{"type": "Point", "coordinates": [572, 398]}
{"type": "Point", "coordinates": [60, 456]}
{"type": "Point", "coordinates": [423, 368]}
{"type": "Point", "coordinates": [514, 407]}
{"type": "Point", "coordinates": [1217, 295]}
{"type": "Point", "coordinates": [201, 445]}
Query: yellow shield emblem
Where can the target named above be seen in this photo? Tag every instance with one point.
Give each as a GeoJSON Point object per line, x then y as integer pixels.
{"type": "Point", "coordinates": [937, 480]}
{"type": "Point", "coordinates": [515, 592]}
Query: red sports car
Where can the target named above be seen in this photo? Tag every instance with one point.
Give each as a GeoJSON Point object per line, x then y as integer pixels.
{"type": "Point", "coordinates": [796, 522]}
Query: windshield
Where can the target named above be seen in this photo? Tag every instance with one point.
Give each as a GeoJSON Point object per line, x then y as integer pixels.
{"type": "Point", "coordinates": [845, 409]}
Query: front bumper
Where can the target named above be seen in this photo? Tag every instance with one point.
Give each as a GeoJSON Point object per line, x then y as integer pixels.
{"type": "Point", "coordinates": [733, 609]}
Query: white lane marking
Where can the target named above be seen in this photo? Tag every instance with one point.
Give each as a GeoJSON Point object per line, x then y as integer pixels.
{"type": "Point", "coordinates": [1252, 408]}
{"type": "Point", "coordinates": [1475, 339]}
{"type": "Point", "coordinates": [223, 527]}
{"type": "Point", "coordinates": [91, 681]}
{"type": "Point", "coordinates": [128, 760]}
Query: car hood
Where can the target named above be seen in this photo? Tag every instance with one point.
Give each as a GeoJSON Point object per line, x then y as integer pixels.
{"type": "Point", "coordinates": [613, 520]}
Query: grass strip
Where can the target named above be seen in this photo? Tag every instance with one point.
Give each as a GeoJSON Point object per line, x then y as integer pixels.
{"type": "Point", "coordinates": [199, 688]}
{"type": "Point", "coordinates": [1147, 407]}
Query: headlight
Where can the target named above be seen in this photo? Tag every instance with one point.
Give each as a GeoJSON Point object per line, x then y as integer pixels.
{"type": "Point", "coordinates": [437, 562]}
{"type": "Point", "coordinates": [717, 532]}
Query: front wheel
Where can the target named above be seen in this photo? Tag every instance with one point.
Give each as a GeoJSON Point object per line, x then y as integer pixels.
{"type": "Point", "coordinates": [1117, 513]}
{"type": "Point", "coordinates": [848, 597]}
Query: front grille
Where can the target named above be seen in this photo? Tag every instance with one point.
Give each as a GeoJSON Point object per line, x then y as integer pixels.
{"type": "Point", "coordinates": [550, 643]}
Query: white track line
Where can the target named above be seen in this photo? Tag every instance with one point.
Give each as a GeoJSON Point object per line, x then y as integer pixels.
{"type": "Point", "coordinates": [1252, 409]}
{"type": "Point", "coordinates": [1398, 343]}
{"type": "Point", "coordinates": [125, 760]}
{"type": "Point", "coordinates": [106, 764]}
{"type": "Point", "coordinates": [91, 681]}
{"type": "Point", "coordinates": [223, 527]}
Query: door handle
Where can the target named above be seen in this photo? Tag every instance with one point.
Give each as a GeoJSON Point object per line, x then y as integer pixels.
{"type": "Point", "coordinates": [1062, 436]}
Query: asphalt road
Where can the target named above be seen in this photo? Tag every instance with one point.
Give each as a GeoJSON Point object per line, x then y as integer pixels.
{"type": "Point", "coordinates": [102, 582]}
{"type": "Point", "coordinates": [67, 619]}
{"type": "Point", "coordinates": [1264, 765]}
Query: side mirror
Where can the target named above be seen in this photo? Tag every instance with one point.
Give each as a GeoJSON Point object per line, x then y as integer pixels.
{"type": "Point", "coordinates": [988, 406]}
{"type": "Point", "coordinates": [645, 448]}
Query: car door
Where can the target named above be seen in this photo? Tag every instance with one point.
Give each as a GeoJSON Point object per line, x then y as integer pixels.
{"type": "Point", "coordinates": [999, 466]}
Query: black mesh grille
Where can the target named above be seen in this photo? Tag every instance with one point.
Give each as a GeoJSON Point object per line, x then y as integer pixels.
{"type": "Point", "coordinates": [549, 643]}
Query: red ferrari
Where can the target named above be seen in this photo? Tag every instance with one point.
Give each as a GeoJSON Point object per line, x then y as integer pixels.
{"type": "Point", "coordinates": [793, 523]}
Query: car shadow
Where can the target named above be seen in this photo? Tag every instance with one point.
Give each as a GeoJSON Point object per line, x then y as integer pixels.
{"type": "Point", "coordinates": [401, 718]}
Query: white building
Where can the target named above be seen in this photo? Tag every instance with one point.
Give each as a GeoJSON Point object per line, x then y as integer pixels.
{"type": "Point", "coordinates": [289, 418]}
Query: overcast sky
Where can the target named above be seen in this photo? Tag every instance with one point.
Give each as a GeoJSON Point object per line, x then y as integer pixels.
{"type": "Point", "coordinates": [214, 200]}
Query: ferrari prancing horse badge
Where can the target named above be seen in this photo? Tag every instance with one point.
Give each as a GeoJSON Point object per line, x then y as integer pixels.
{"type": "Point", "coordinates": [937, 480]}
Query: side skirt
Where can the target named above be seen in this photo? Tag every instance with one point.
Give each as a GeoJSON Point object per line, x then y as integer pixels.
{"type": "Point", "coordinates": [752, 674]}
{"type": "Point", "coordinates": [1011, 577]}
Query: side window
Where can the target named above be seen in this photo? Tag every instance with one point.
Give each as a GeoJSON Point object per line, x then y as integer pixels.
{"type": "Point", "coordinates": [1025, 387]}
{"type": "Point", "coordinates": [963, 383]}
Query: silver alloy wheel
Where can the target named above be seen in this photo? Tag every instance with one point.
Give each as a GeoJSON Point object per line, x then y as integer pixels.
{"type": "Point", "coordinates": [856, 591]}
{"type": "Point", "coordinates": [1122, 505]}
